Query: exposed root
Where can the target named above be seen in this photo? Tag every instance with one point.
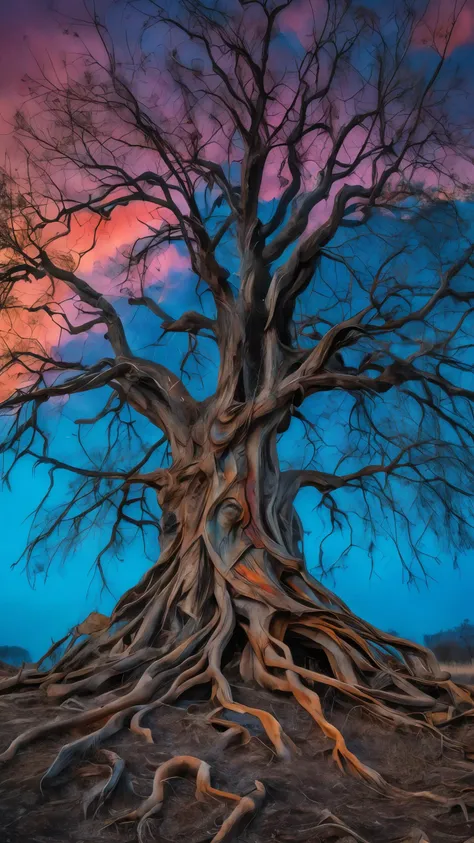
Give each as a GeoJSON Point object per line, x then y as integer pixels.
{"type": "Point", "coordinates": [96, 797]}
{"type": "Point", "coordinates": [281, 742]}
{"type": "Point", "coordinates": [242, 815]}
{"type": "Point", "coordinates": [330, 827]}
{"type": "Point", "coordinates": [181, 765]}
{"type": "Point", "coordinates": [75, 751]}
{"type": "Point", "coordinates": [164, 653]}
{"type": "Point", "coordinates": [234, 732]}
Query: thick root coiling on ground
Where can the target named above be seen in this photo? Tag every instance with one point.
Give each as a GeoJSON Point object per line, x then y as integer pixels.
{"type": "Point", "coordinates": [245, 806]}
{"type": "Point", "coordinates": [161, 654]}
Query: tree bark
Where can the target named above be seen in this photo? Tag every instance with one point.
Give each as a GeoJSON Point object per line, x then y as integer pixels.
{"type": "Point", "coordinates": [231, 569]}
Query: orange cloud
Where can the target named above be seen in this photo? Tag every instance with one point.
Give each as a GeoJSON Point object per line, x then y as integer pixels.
{"type": "Point", "coordinates": [127, 224]}
{"type": "Point", "coordinates": [113, 239]}
{"type": "Point", "coordinates": [25, 332]}
{"type": "Point", "coordinates": [34, 332]}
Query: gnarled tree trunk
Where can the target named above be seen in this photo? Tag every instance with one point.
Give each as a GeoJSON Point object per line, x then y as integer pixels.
{"type": "Point", "coordinates": [231, 584]}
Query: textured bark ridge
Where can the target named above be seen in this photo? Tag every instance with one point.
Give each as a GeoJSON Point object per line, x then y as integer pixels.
{"type": "Point", "coordinates": [231, 584]}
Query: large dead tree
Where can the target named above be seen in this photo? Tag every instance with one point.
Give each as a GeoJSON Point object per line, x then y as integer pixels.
{"type": "Point", "coordinates": [342, 283]}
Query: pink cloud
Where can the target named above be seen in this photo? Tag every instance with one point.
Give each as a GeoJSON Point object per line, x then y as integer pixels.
{"type": "Point", "coordinates": [439, 19]}
{"type": "Point", "coordinates": [104, 265]}
{"type": "Point", "coordinates": [126, 224]}
{"type": "Point", "coordinates": [302, 18]}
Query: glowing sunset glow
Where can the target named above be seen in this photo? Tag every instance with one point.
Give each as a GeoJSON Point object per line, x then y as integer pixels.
{"type": "Point", "coordinates": [90, 246]}
{"type": "Point", "coordinates": [22, 332]}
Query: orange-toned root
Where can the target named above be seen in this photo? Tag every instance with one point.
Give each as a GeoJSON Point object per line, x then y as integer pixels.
{"type": "Point", "coordinates": [181, 765]}
{"type": "Point", "coordinates": [234, 732]}
{"type": "Point", "coordinates": [241, 816]}
{"type": "Point", "coordinates": [409, 690]}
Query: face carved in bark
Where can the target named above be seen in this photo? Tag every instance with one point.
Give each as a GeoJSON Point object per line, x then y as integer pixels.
{"type": "Point", "coordinates": [248, 569]}
{"type": "Point", "coordinates": [225, 536]}
{"type": "Point", "coordinates": [228, 514]}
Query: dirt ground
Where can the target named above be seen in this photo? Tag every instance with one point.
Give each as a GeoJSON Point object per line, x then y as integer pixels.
{"type": "Point", "coordinates": [463, 673]}
{"type": "Point", "coordinates": [304, 795]}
